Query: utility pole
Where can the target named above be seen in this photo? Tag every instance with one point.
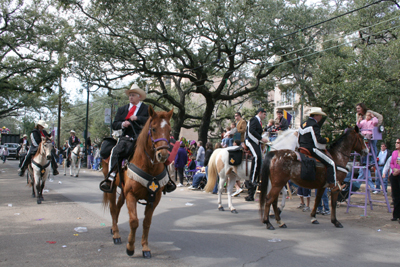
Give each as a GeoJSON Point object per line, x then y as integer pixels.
{"type": "Point", "coordinates": [59, 113]}
{"type": "Point", "coordinates": [87, 122]}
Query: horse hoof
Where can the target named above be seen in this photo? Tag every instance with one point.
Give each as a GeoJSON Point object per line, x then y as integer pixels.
{"type": "Point", "coordinates": [283, 226]}
{"type": "Point", "coordinates": [146, 254]}
{"type": "Point", "coordinates": [117, 241]}
{"type": "Point", "coordinates": [270, 227]}
{"type": "Point", "coordinates": [221, 209]}
{"type": "Point", "coordinates": [39, 201]}
{"type": "Point", "coordinates": [65, 174]}
{"type": "Point", "coordinates": [130, 252]}
{"type": "Point", "coordinates": [76, 175]}
{"type": "Point", "coordinates": [111, 232]}
{"type": "Point", "coordinates": [315, 222]}
{"type": "Point", "coordinates": [234, 212]}
{"type": "Point", "coordinates": [338, 225]}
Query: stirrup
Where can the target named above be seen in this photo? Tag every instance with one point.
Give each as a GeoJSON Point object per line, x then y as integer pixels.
{"type": "Point", "coordinates": [105, 182]}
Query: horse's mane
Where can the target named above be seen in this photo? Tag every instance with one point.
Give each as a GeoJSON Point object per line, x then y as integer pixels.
{"type": "Point", "coordinates": [339, 139]}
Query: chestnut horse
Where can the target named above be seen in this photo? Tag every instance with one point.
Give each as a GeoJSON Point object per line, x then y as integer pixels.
{"type": "Point", "coordinates": [283, 165]}
{"type": "Point", "coordinates": [150, 154]}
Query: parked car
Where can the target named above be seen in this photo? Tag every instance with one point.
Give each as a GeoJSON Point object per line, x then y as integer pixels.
{"type": "Point", "coordinates": [12, 150]}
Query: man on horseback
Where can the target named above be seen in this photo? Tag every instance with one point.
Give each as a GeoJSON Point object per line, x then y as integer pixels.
{"type": "Point", "coordinates": [310, 138]}
{"type": "Point", "coordinates": [36, 138]}
{"type": "Point", "coordinates": [73, 141]}
{"type": "Point", "coordinates": [130, 119]}
{"type": "Point", "coordinates": [22, 141]}
{"type": "Point", "coordinates": [253, 142]}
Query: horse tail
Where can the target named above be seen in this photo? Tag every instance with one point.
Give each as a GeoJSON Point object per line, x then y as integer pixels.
{"type": "Point", "coordinates": [212, 173]}
{"type": "Point", "coordinates": [264, 176]}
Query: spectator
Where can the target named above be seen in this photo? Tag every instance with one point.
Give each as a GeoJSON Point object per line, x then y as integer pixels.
{"type": "Point", "coordinates": [234, 132]}
{"type": "Point", "coordinates": [203, 171]}
{"type": "Point", "coordinates": [367, 124]}
{"type": "Point", "coordinates": [240, 126]}
{"type": "Point", "coordinates": [181, 160]}
{"type": "Point", "coordinates": [97, 159]}
{"type": "Point", "coordinates": [228, 140]}
{"type": "Point", "coordinates": [271, 130]}
{"type": "Point", "coordinates": [304, 193]}
{"type": "Point", "coordinates": [200, 154]}
{"type": "Point", "coordinates": [383, 155]}
{"type": "Point", "coordinates": [395, 180]}
{"type": "Point", "coordinates": [4, 154]}
{"type": "Point", "coordinates": [283, 123]}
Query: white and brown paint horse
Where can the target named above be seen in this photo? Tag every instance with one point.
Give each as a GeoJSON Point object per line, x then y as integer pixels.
{"type": "Point", "coordinates": [40, 167]}
{"type": "Point", "coordinates": [76, 157]}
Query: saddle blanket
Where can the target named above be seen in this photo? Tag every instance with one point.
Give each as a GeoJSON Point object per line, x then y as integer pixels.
{"type": "Point", "coordinates": [308, 166]}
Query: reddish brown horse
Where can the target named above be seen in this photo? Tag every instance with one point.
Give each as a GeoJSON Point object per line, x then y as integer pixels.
{"type": "Point", "coordinates": [148, 161]}
{"type": "Point", "coordinates": [282, 165]}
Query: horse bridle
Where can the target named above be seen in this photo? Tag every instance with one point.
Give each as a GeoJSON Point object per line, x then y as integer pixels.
{"type": "Point", "coordinates": [153, 142]}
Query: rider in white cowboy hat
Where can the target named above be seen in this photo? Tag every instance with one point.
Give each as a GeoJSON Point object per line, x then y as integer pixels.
{"type": "Point", "coordinates": [130, 118]}
{"type": "Point", "coordinates": [310, 138]}
{"type": "Point", "coordinates": [23, 141]}
{"type": "Point", "coordinates": [36, 138]}
{"type": "Point", "coordinates": [73, 141]}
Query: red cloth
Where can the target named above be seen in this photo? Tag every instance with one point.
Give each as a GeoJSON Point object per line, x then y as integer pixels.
{"type": "Point", "coordinates": [42, 134]}
{"type": "Point", "coordinates": [130, 113]}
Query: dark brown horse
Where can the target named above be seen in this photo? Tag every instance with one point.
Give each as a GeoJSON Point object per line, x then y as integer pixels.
{"type": "Point", "coordinates": [150, 154]}
{"type": "Point", "coordinates": [282, 165]}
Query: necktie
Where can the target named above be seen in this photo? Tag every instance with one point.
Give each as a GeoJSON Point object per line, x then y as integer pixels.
{"type": "Point", "coordinates": [261, 124]}
{"type": "Point", "coordinates": [42, 134]}
{"type": "Point", "coordinates": [130, 113]}
{"type": "Point", "coordinates": [73, 139]}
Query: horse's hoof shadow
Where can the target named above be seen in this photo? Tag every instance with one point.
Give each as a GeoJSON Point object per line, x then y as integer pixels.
{"type": "Point", "coordinates": [146, 254]}
{"type": "Point", "coordinates": [221, 209]}
{"type": "Point", "coordinates": [76, 175]}
{"type": "Point", "coordinates": [283, 226]}
{"type": "Point", "coordinates": [130, 252]}
{"type": "Point", "coordinates": [234, 212]}
{"type": "Point", "coordinates": [315, 222]}
{"type": "Point", "coordinates": [117, 241]}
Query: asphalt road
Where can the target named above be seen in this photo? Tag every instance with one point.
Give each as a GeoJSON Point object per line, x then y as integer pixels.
{"type": "Point", "coordinates": [187, 230]}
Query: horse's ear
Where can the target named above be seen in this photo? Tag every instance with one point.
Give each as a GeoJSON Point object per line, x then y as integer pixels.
{"type": "Point", "coordinates": [151, 111]}
{"type": "Point", "coordinates": [169, 114]}
{"type": "Point", "coordinates": [357, 129]}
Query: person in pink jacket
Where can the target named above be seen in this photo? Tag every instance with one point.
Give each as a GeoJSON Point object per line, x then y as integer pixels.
{"type": "Point", "coordinates": [395, 180]}
{"type": "Point", "coordinates": [367, 125]}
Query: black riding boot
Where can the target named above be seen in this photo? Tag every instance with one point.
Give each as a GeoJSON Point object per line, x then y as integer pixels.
{"type": "Point", "coordinates": [54, 165]}
{"type": "Point", "coordinates": [251, 188]}
{"type": "Point", "coordinates": [25, 164]}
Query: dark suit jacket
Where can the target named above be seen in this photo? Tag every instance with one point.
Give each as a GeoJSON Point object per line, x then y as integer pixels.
{"type": "Point", "coordinates": [283, 124]}
{"type": "Point", "coordinates": [36, 137]}
{"type": "Point", "coordinates": [142, 116]}
{"type": "Point", "coordinates": [254, 130]}
{"type": "Point", "coordinates": [306, 140]}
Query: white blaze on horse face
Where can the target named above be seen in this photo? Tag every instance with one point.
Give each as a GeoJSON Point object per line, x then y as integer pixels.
{"type": "Point", "coordinates": [163, 123]}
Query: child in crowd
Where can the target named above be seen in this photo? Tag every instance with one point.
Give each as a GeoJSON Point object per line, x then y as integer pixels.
{"type": "Point", "coordinates": [367, 125]}
{"type": "Point", "coordinates": [228, 140]}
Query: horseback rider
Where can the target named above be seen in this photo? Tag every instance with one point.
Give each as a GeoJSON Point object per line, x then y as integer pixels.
{"type": "Point", "coordinates": [310, 138]}
{"type": "Point", "coordinates": [253, 142]}
{"type": "Point", "coordinates": [73, 141]}
{"type": "Point", "coordinates": [22, 141]}
{"type": "Point", "coordinates": [36, 138]}
{"type": "Point", "coordinates": [130, 118]}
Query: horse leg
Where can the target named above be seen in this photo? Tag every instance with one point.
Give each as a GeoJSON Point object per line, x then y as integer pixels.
{"type": "Point", "coordinates": [334, 197]}
{"type": "Point", "coordinates": [283, 202]}
{"type": "Point", "coordinates": [131, 203]}
{"type": "Point", "coordinates": [41, 190]}
{"type": "Point", "coordinates": [37, 184]}
{"type": "Point", "coordinates": [271, 197]}
{"type": "Point", "coordinates": [148, 215]}
{"type": "Point", "coordinates": [320, 192]}
{"type": "Point", "coordinates": [278, 216]}
{"type": "Point", "coordinates": [220, 188]}
{"type": "Point", "coordinates": [33, 186]}
{"type": "Point", "coordinates": [79, 168]}
{"type": "Point", "coordinates": [115, 208]}
{"type": "Point", "coordinates": [231, 184]}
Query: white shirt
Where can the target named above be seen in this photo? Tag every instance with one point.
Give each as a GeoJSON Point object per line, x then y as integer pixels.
{"type": "Point", "coordinates": [382, 157]}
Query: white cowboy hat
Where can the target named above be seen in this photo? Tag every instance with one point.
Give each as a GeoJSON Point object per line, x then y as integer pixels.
{"type": "Point", "coordinates": [135, 89]}
{"type": "Point", "coordinates": [24, 136]}
{"type": "Point", "coordinates": [42, 123]}
{"type": "Point", "coordinates": [316, 111]}
{"type": "Point", "coordinates": [72, 131]}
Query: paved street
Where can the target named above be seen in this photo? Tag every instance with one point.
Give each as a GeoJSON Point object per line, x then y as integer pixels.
{"type": "Point", "coordinates": [187, 230]}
